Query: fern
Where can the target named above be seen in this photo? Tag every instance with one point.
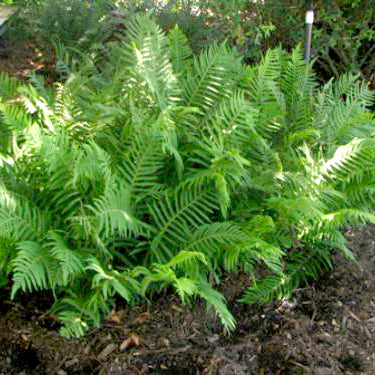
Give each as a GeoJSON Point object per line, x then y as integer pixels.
{"type": "Point", "coordinates": [112, 282]}
{"type": "Point", "coordinates": [112, 213]}
{"type": "Point", "coordinates": [205, 84]}
{"type": "Point", "coordinates": [20, 221]}
{"type": "Point", "coordinates": [8, 86]}
{"type": "Point", "coordinates": [175, 214]}
{"type": "Point", "coordinates": [140, 165]}
{"type": "Point", "coordinates": [70, 262]}
{"type": "Point", "coordinates": [168, 168]}
{"type": "Point", "coordinates": [30, 268]}
{"type": "Point", "coordinates": [180, 51]}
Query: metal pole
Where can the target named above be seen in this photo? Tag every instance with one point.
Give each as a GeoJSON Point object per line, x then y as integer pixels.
{"type": "Point", "coordinates": [309, 20]}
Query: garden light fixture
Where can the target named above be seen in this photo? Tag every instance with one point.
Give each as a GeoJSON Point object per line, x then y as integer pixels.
{"type": "Point", "coordinates": [309, 20]}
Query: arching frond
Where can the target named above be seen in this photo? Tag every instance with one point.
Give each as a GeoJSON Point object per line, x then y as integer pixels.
{"type": "Point", "coordinates": [341, 219]}
{"type": "Point", "coordinates": [209, 237]}
{"type": "Point", "coordinates": [14, 117]}
{"type": "Point", "coordinates": [348, 160]}
{"type": "Point", "coordinates": [20, 221]}
{"type": "Point", "coordinates": [216, 300]}
{"type": "Point", "coordinates": [92, 163]}
{"type": "Point", "coordinates": [141, 164]}
{"type": "Point", "coordinates": [113, 214]}
{"type": "Point", "coordinates": [70, 262]}
{"type": "Point", "coordinates": [206, 83]}
{"type": "Point", "coordinates": [152, 67]}
{"type": "Point", "coordinates": [8, 86]}
{"type": "Point", "coordinates": [175, 214]}
{"type": "Point", "coordinates": [30, 268]}
{"type": "Point", "coordinates": [179, 49]}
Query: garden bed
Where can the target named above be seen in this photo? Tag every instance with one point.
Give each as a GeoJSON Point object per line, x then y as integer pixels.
{"type": "Point", "coordinates": [327, 329]}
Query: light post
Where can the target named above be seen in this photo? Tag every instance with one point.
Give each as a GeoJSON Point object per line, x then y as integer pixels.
{"type": "Point", "coordinates": [309, 20]}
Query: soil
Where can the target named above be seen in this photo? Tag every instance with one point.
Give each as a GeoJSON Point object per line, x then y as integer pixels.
{"type": "Point", "coordinates": [21, 58]}
{"type": "Point", "coordinates": [326, 329]}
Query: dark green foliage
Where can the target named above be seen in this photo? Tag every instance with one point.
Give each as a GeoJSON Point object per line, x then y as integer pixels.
{"type": "Point", "coordinates": [159, 167]}
{"type": "Point", "coordinates": [342, 40]}
{"type": "Point", "coordinates": [343, 34]}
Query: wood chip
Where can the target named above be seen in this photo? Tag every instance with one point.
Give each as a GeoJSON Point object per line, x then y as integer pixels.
{"type": "Point", "coordinates": [136, 340]}
{"type": "Point", "coordinates": [107, 351]}
{"type": "Point", "coordinates": [125, 344]}
{"type": "Point", "coordinates": [354, 316]}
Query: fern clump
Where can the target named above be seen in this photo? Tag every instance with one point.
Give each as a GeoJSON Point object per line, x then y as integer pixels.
{"type": "Point", "coordinates": [160, 167]}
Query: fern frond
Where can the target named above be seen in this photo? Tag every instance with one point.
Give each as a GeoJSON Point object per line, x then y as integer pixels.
{"type": "Point", "coordinates": [152, 67]}
{"type": "Point", "coordinates": [267, 289]}
{"type": "Point", "coordinates": [92, 163]}
{"type": "Point", "coordinates": [73, 324]}
{"type": "Point", "coordinates": [210, 237]}
{"type": "Point", "coordinates": [156, 71]}
{"type": "Point", "coordinates": [8, 86]}
{"type": "Point", "coordinates": [20, 221]}
{"type": "Point", "coordinates": [348, 160]}
{"type": "Point", "coordinates": [14, 117]}
{"type": "Point", "coordinates": [180, 51]}
{"type": "Point", "coordinates": [70, 262]}
{"type": "Point", "coordinates": [175, 214]}
{"type": "Point", "coordinates": [30, 268]}
{"type": "Point", "coordinates": [166, 273]}
{"type": "Point", "coordinates": [262, 79]}
{"type": "Point", "coordinates": [216, 301]}
{"type": "Point", "coordinates": [254, 250]}
{"type": "Point", "coordinates": [344, 217]}
{"type": "Point", "coordinates": [113, 213]}
{"type": "Point", "coordinates": [205, 84]}
{"type": "Point", "coordinates": [301, 267]}
{"type": "Point", "coordinates": [185, 258]}
{"type": "Point", "coordinates": [111, 282]}
{"type": "Point", "coordinates": [37, 105]}
{"type": "Point", "coordinates": [340, 109]}
{"type": "Point", "coordinates": [141, 164]}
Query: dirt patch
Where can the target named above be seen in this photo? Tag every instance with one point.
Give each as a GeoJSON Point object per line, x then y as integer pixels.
{"type": "Point", "coordinates": [21, 58]}
{"type": "Point", "coordinates": [327, 329]}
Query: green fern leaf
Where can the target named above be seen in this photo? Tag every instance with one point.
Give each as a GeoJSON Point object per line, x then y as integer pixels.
{"type": "Point", "coordinates": [141, 165]}
{"type": "Point", "coordinates": [175, 214]}
{"type": "Point", "coordinates": [70, 262]}
{"type": "Point", "coordinates": [216, 300]}
{"type": "Point", "coordinates": [113, 213]}
{"type": "Point", "coordinates": [8, 86]}
{"type": "Point", "coordinates": [180, 51]}
{"type": "Point", "coordinates": [19, 221]}
{"type": "Point", "coordinates": [30, 268]}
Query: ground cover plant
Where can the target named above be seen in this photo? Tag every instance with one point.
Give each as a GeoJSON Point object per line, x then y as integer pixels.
{"type": "Point", "coordinates": [153, 167]}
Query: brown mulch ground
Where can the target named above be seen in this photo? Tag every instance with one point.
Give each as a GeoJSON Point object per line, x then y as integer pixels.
{"type": "Point", "coordinates": [21, 58]}
{"type": "Point", "coordinates": [327, 329]}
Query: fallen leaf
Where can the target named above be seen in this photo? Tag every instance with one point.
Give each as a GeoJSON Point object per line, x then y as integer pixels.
{"type": "Point", "coordinates": [132, 340]}
{"type": "Point", "coordinates": [114, 317]}
{"type": "Point", "coordinates": [142, 318]}
{"type": "Point", "coordinates": [136, 340]}
{"type": "Point", "coordinates": [177, 308]}
{"type": "Point", "coordinates": [107, 351]}
{"type": "Point", "coordinates": [125, 344]}
{"type": "Point", "coordinates": [213, 338]}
